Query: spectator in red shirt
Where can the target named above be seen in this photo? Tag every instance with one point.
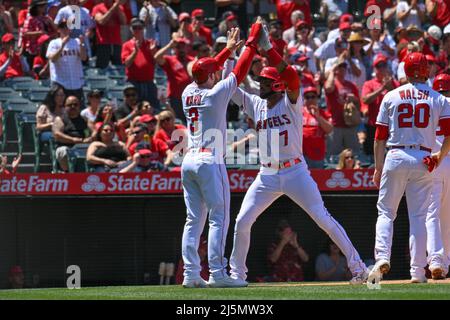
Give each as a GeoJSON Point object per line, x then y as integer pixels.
{"type": "Point", "coordinates": [198, 26]}
{"type": "Point", "coordinates": [372, 94]}
{"type": "Point", "coordinates": [12, 64]}
{"type": "Point", "coordinates": [137, 56]}
{"type": "Point", "coordinates": [14, 164]}
{"type": "Point", "coordinates": [439, 12]}
{"type": "Point", "coordinates": [443, 57]}
{"type": "Point", "coordinates": [175, 68]}
{"type": "Point", "coordinates": [166, 127]}
{"type": "Point", "coordinates": [339, 94]}
{"type": "Point", "coordinates": [41, 66]}
{"type": "Point", "coordinates": [286, 7]}
{"type": "Point", "coordinates": [185, 30]}
{"type": "Point", "coordinates": [316, 125]}
{"type": "Point", "coordinates": [276, 34]}
{"type": "Point", "coordinates": [109, 16]}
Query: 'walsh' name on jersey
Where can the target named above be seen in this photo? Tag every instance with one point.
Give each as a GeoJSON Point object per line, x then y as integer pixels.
{"type": "Point", "coordinates": [409, 94]}
{"type": "Point", "coordinates": [273, 122]}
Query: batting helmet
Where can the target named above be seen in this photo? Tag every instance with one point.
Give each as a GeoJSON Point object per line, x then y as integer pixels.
{"type": "Point", "coordinates": [272, 73]}
{"type": "Point", "coordinates": [442, 82]}
{"type": "Point", "coordinates": [416, 65]}
{"type": "Point", "coordinates": [203, 67]}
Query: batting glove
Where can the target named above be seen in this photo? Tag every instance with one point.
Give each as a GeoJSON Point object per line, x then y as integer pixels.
{"type": "Point", "coordinates": [430, 163]}
{"type": "Point", "coordinates": [264, 41]}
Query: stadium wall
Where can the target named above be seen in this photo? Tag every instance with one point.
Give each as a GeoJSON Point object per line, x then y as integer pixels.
{"type": "Point", "coordinates": [117, 240]}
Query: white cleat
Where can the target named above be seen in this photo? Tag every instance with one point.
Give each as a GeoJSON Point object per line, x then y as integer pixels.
{"type": "Point", "coordinates": [226, 282]}
{"type": "Point", "coordinates": [360, 277]}
{"type": "Point", "coordinates": [379, 269]}
{"type": "Point", "coordinates": [195, 283]}
{"type": "Point", "coordinates": [422, 279]}
{"type": "Point", "coordinates": [437, 272]}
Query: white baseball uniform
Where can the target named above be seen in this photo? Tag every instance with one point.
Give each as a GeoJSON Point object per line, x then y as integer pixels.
{"type": "Point", "coordinates": [438, 217]}
{"type": "Point", "coordinates": [294, 180]}
{"type": "Point", "coordinates": [411, 113]}
{"type": "Point", "coordinates": [204, 176]}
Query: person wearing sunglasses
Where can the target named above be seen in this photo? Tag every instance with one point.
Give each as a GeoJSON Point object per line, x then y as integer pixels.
{"type": "Point", "coordinates": [316, 125]}
{"type": "Point", "coordinates": [199, 28]}
{"type": "Point", "coordinates": [126, 112]}
{"type": "Point", "coordinates": [159, 19]}
{"type": "Point", "coordinates": [137, 56]}
{"type": "Point", "coordinates": [347, 160]}
{"type": "Point", "coordinates": [12, 64]}
{"type": "Point", "coordinates": [144, 160]}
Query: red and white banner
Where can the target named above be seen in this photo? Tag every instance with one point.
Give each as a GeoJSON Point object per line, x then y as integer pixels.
{"type": "Point", "coordinates": [159, 183]}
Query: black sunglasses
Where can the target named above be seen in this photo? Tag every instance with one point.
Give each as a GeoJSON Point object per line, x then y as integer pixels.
{"type": "Point", "coordinates": [145, 156]}
{"type": "Point", "coordinates": [199, 18]}
{"type": "Point", "coordinates": [309, 97]}
{"type": "Point", "coordinates": [129, 95]}
{"type": "Point", "coordinates": [137, 28]}
{"type": "Point", "coordinates": [72, 105]}
{"type": "Point", "coordinates": [137, 132]}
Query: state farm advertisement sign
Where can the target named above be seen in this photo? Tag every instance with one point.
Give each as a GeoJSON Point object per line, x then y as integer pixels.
{"type": "Point", "coordinates": [159, 183]}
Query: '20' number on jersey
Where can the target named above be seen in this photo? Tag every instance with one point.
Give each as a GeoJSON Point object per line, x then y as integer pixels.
{"type": "Point", "coordinates": [409, 115]}
{"type": "Point", "coordinates": [193, 117]}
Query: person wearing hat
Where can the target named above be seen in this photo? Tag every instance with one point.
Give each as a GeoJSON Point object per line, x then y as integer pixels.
{"type": "Point", "coordinates": [443, 57]}
{"type": "Point", "coordinates": [276, 33]}
{"type": "Point", "coordinates": [316, 126]}
{"type": "Point", "coordinates": [166, 127]}
{"type": "Point", "coordinates": [372, 94]}
{"type": "Point", "coordinates": [36, 24]}
{"type": "Point", "coordinates": [66, 56]}
{"type": "Point", "coordinates": [431, 60]}
{"type": "Point", "coordinates": [413, 46]}
{"type": "Point", "coordinates": [128, 110]}
{"type": "Point", "coordinates": [198, 26]}
{"type": "Point", "coordinates": [219, 45]}
{"type": "Point", "coordinates": [12, 64]}
{"type": "Point", "coordinates": [380, 41]}
{"type": "Point", "coordinates": [304, 44]}
{"type": "Point", "coordinates": [285, 9]}
{"type": "Point", "coordinates": [185, 30]}
{"type": "Point", "coordinates": [409, 13]}
{"type": "Point", "coordinates": [41, 65]}
{"type": "Point", "coordinates": [358, 59]}
{"type": "Point", "coordinates": [439, 12]}
{"type": "Point", "coordinates": [290, 33]}
{"type": "Point", "coordinates": [137, 56]}
{"type": "Point", "coordinates": [175, 67]}
{"type": "Point", "coordinates": [201, 50]}
{"type": "Point", "coordinates": [238, 9]}
{"type": "Point", "coordinates": [16, 277]}
{"type": "Point", "coordinates": [94, 98]}
{"type": "Point", "coordinates": [109, 16]}
{"type": "Point", "coordinates": [159, 19]}
{"type": "Point", "coordinates": [227, 22]}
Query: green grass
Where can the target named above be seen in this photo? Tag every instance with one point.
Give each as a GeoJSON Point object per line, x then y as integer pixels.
{"type": "Point", "coordinates": [253, 292]}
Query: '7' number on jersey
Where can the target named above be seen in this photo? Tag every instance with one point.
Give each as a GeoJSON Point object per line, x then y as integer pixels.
{"type": "Point", "coordinates": [420, 113]}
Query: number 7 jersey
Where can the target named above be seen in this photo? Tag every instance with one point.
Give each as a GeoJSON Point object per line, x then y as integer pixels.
{"type": "Point", "coordinates": [412, 113]}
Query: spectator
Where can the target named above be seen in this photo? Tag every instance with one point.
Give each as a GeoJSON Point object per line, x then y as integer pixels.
{"type": "Point", "coordinates": [358, 60]}
{"type": "Point", "coordinates": [185, 30]}
{"type": "Point", "coordinates": [52, 107]}
{"type": "Point", "coordinates": [36, 24]}
{"type": "Point", "coordinates": [159, 19]}
{"type": "Point", "coordinates": [68, 130]}
{"type": "Point", "coordinates": [135, 136]}
{"type": "Point", "coordinates": [106, 115]}
{"type": "Point", "coordinates": [202, 50]}
{"type": "Point", "coordinates": [143, 108]}
{"type": "Point", "coordinates": [275, 34]}
{"type": "Point", "coordinates": [290, 33]}
{"type": "Point", "coordinates": [127, 111]}
{"type": "Point", "coordinates": [332, 30]}
{"type": "Point", "coordinates": [347, 160]}
{"type": "Point", "coordinates": [345, 18]}
{"type": "Point", "coordinates": [286, 256]}
{"type": "Point", "coordinates": [337, 7]}
{"type": "Point", "coordinates": [304, 43]}
{"type": "Point", "coordinates": [251, 82]}
{"type": "Point", "coordinates": [66, 55]}
{"type": "Point", "coordinates": [137, 56]}
{"type": "Point", "coordinates": [105, 154]}
{"type": "Point", "coordinates": [285, 9]}
{"type": "Point", "coordinates": [219, 45]}
{"type": "Point", "coordinates": [380, 41]}
{"type": "Point", "coordinates": [228, 21]}
{"type": "Point", "coordinates": [327, 49]}
{"type": "Point", "coordinates": [41, 65]}
{"type": "Point", "coordinates": [238, 8]}
{"type": "Point", "coordinates": [198, 27]}
{"type": "Point", "coordinates": [6, 22]}
{"type": "Point", "coordinates": [109, 17]}
{"type": "Point", "coordinates": [86, 26]}
{"type": "Point", "coordinates": [316, 125]}
{"type": "Point", "coordinates": [332, 266]}
{"type": "Point", "coordinates": [433, 69]}
{"type": "Point", "coordinates": [1, 121]}
{"type": "Point", "coordinates": [410, 13]}
{"type": "Point", "coordinates": [176, 69]}
{"type": "Point", "coordinates": [90, 112]}
{"type": "Point", "coordinates": [23, 14]}
{"type": "Point", "coordinates": [12, 64]}
{"type": "Point", "coordinates": [307, 79]}
{"type": "Point", "coordinates": [372, 94]}
{"type": "Point", "coordinates": [443, 57]}
{"type": "Point", "coordinates": [401, 75]}
{"type": "Point", "coordinates": [16, 277]}
{"type": "Point", "coordinates": [14, 164]}
{"type": "Point", "coordinates": [439, 12]}
{"type": "Point", "coordinates": [203, 254]}
{"type": "Point", "coordinates": [341, 95]}
{"type": "Point", "coordinates": [166, 127]}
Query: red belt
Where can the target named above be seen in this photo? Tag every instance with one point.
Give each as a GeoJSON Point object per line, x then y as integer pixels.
{"type": "Point", "coordinates": [283, 164]}
{"type": "Point", "coordinates": [201, 150]}
{"type": "Point", "coordinates": [410, 147]}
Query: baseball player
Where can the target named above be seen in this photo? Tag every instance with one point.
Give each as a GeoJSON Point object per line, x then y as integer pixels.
{"type": "Point", "coordinates": [203, 173]}
{"type": "Point", "coordinates": [438, 217]}
{"type": "Point", "coordinates": [278, 111]}
{"type": "Point", "coordinates": [406, 124]}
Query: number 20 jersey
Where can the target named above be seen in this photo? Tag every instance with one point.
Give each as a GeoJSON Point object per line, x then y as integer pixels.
{"type": "Point", "coordinates": [412, 113]}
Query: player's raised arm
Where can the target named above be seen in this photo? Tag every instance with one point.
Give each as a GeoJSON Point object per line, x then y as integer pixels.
{"type": "Point", "coordinates": [287, 73]}
{"type": "Point", "coordinates": [233, 43]}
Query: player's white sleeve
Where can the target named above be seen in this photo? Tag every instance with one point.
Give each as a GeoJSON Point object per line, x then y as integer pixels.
{"type": "Point", "coordinates": [224, 89]}
{"type": "Point", "coordinates": [383, 114]}
{"type": "Point", "coordinates": [445, 108]}
{"type": "Point", "coordinates": [227, 68]}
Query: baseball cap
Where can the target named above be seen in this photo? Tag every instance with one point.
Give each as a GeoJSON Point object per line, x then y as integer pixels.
{"type": "Point", "coordinates": [345, 26]}
{"type": "Point", "coordinates": [144, 152]}
{"type": "Point", "coordinates": [221, 39]}
{"type": "Point", "coordinates": [301, 23]}
{"type": "Point", "coordinates": [310, 89]}
{"type": "Point", "coordinates": [341, 43]}
{"type": "Point", "coordinates": [430, 58]}
{"type": "Point", "coordinates": [146, 118]}
{"type": "Point", "coordinates": [128, 86]}
{"type": "Point", "coordinates": [136, 22]}
{"type": "Point", "coordinates": [95, 93]}
{"type": "Point", "coordinates": [183, 16]}
{"type": "Point", "coordinates": [15, 270]}
{"type": "Point", "coordinates": [414, 31]}
{"type": "Point", "coordinates": [302, 58]}
{"type": "Point", "coordinates": [7, 37]}
{"type": "Point", "coordinates": [42, 39]}
{"type": "Point", "coordinates": [435, 34]}
{"type": "Point", "coordinates": [182, 40]}
{"type": "Point", "coordinates": [346, 17]}
{"type": "Point", "coordinates": [447, 29]}
{"type": "Point", "coordinates": [197, 13]}
{"type": "Point", "coordinates": [380, 58]}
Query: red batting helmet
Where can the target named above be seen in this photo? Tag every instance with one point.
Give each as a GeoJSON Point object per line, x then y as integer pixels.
{"type": "Point", "coordinates": [442, 82]}
{"type": "Point", "coordinates": [203, 67]}
{"type": "Point", "coordinates": [272, 73]}
{"type": "Point", "coordinates": [416, 65]}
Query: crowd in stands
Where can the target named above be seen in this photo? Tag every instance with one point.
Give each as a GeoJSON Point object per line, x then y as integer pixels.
{"type": "Point", "coordinates": [347, 61]}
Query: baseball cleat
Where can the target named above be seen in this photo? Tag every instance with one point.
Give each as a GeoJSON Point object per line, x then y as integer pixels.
{"type": "Point", "coordinates": [360, 277]}
{"type": "Point", "coordinates": [437, 273]}
{"type": "Point", "coordinates": [417, 279]}
{"type": "Point", "coordinates": [226, 282]}
{"type": "Point", "coordinates": [195, 283]}
{"type": "Point", "coordinates": [379, 269]}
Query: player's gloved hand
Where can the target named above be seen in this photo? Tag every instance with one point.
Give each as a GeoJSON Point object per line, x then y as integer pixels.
{"type": "Point", "coordinates": [254, 35]}
{"type": "Point", "coordinates": [264, 41]}
{"type": "Point", "coordinates": [430, 163]}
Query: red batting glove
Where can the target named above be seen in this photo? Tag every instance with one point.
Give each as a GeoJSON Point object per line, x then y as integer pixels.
{"type": "Point", "coordinates": [430, 163]}
{"type": "Point", "coordinates": [253, 37]}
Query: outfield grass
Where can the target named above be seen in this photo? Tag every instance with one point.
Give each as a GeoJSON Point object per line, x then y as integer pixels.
{"type": "Point", "coordinates": [253, 292]}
